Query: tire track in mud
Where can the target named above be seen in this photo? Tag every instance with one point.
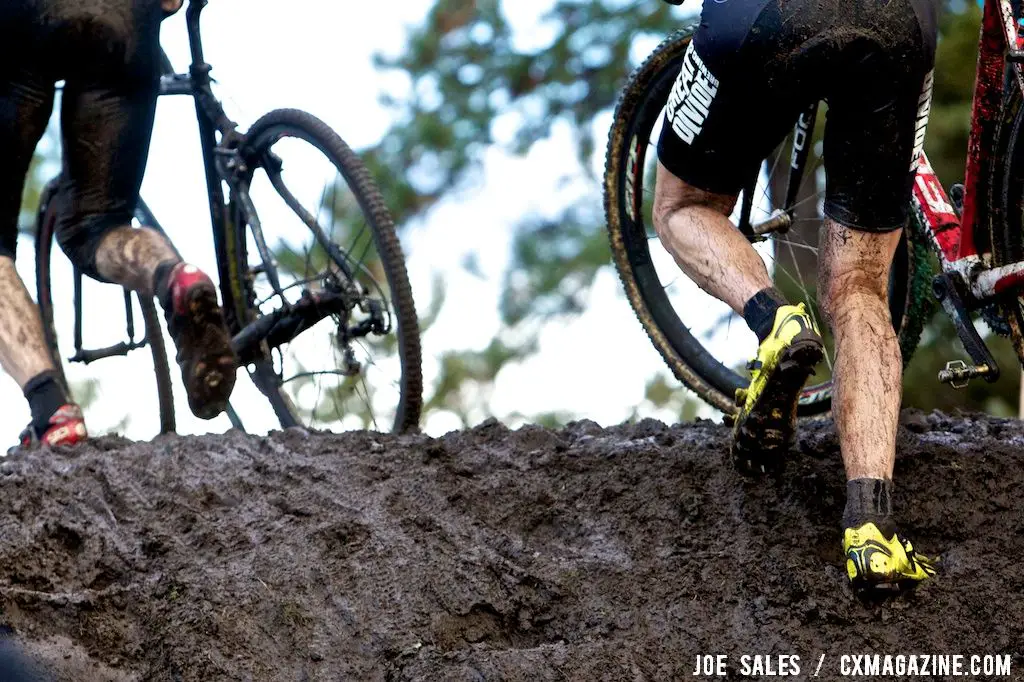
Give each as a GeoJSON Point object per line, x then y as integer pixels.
{"type": "Point", "coordinates": [583, 553]}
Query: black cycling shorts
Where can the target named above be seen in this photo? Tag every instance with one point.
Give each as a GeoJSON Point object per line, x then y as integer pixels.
{"type": "Point", "coordinates": [754, 65]}
{"type": "Point", "coordinates": [108, 54]}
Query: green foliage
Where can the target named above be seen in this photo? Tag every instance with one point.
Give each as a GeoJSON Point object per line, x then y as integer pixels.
{"type": "Point", "coordinates": [662, 393]}
{"type": "Point", "coordinates": [554, 266]}
{"type": "Point", "coordinates": [466, 376]}
{"type": "Point", "coordinates": [955, 63]}
{"type": "Point", "coordinates": [467, 71]}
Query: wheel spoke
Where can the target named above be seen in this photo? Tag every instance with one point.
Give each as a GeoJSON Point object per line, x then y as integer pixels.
{"type": "Point", "coordinates": [310, 200]}
{"type": "Point", "coordinates": [798, 245]}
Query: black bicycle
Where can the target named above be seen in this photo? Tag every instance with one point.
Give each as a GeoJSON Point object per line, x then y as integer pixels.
{"type": "Point", "coordinates": [311, 271]}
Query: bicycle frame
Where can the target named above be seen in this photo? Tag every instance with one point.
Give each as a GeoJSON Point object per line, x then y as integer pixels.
{"type": "Point", "coordinates": [212, 120]}
{"type": "Point", "coordinates": [962, 251]}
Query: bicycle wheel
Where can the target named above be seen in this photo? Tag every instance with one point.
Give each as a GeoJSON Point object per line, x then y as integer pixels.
{"type": "Point", "coordinates": [307, 213]}
{"type": "Point", "coordinates": [49, 261]}
{"type": "Point", "coordinates": [704, 343]}
{"type": "Point", "coordinates": [1006, 213]}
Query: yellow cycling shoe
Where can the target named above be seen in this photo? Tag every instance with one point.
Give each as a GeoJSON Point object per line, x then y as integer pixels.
{"type": "Point", "coordinates": [764, 427]}
{"type": "Point", "coordinates": [872, 562]}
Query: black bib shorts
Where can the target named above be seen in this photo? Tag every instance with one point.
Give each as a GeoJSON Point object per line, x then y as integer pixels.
{"type": "Point", "coordinates": [754, 65]}
{"type": "Point", "coordinates": [108, 54]}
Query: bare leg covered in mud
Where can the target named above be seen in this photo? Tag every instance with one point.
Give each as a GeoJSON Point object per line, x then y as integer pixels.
{"type": "Point", "coordinates": [23, 351]}
{"type": "Point", "coordinates": [129, 257]}
{"type": "Point", "coordinates": [694, 227]}
{"type": "Point", "coordinates": [867, 373]}
{"type": "Point", "coordinates": [25, 356]}
{"type": "Point", "coordinates": [868, 370]}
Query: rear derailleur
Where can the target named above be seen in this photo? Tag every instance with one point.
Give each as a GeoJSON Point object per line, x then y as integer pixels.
{"type": "Point", "coordinates": [375, 323]}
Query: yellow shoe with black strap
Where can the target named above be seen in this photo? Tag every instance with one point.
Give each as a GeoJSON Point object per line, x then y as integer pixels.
{"type": "Point", "coordinates": [875, 563]}
{"type": "Point", "coordinates": [764, 427]}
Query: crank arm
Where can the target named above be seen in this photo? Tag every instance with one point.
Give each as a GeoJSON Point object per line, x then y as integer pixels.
{"type": "Point", "coordinates": [947, 288]}
{"type": "Point", "coordinates": [284, 324]}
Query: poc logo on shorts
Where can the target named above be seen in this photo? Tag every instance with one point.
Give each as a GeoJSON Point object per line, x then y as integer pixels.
{"type": "Point", "coordinates": [924, 107]}
{"type": "Point", "coordinates": [800, 136]}
{"type": "Point", "coordinates": [691, 97]}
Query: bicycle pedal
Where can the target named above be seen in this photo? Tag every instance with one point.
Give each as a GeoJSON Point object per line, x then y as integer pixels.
{"type": "Point", "coordinates": [948, 288]}
{"type": "Point", "coordinates": [958, 373]}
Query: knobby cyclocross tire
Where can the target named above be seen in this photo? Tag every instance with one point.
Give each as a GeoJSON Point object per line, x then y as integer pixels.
{"type": "Point", "coordinates": [639, 109]}
{"type": "Point", "coordinates": [301, 125]}
{"type": "Point", "coordinates": [45, 239]}
{"type": "Point", "coordinates": [1005, 194]}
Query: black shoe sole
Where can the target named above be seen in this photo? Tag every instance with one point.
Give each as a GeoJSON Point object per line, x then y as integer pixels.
{"type": "Point", "coordinates": [207, 362]}
{"type": "Point", "coordinates": [766, 433]}
{"type": "Point", "coordinates": [870, 592]}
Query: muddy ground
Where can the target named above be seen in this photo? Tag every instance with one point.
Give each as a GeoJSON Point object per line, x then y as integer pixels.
{"type": "Point", "coordinates": [580, 554]}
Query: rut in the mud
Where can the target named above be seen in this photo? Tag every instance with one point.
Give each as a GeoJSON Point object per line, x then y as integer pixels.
{"type": "Point", "coordinates": [581, 554]}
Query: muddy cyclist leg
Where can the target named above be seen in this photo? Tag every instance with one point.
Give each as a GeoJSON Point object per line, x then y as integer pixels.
{"type": "Point", "coordinates": [23, 351]}
{"type": "Point", "coordinates": [694, 226]}
{"type": "Point", "coordinates": [131, 257]}
{"type": "Point", "coordinates": [26, 100]}
{"type": "Point", "coordinates": [854, 280]}
{"type": "Point", "coordinates": [868, 369]}
{"type": "Point", "coordinates": [25, 356]}
{"type": "Point", "coordinates": [143, 260]}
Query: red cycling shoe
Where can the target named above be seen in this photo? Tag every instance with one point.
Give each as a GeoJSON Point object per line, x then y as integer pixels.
{"type": "Point", "coordinates": [67, 427]}
{"type": "Point", "coordinates": [196, 323]}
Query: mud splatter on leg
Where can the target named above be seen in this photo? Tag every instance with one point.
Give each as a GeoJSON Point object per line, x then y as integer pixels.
{"type": "Point", "coordinates": [868, 371]}
{"type": "Point", "coordinates": [694, 227]}
{"type": "Point", "coordinates": [130, 256]}
{"type": "Point", "coordinates": [23, 351]}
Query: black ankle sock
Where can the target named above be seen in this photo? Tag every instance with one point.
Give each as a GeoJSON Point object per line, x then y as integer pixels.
{"type": "Point", "coordinates": [161, 287]}
{"type": "Point", "coordinates": [869, 500]}
{"type": "Point", "coordinates": [759, 311]}
{"type": "Point", "coordinates": [45, 396]}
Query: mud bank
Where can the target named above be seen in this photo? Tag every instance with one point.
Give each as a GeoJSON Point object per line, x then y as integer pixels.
{"type": "Point", "coordinates": [580, 554]}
